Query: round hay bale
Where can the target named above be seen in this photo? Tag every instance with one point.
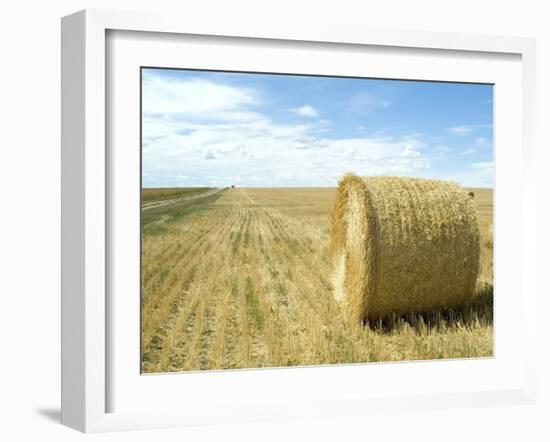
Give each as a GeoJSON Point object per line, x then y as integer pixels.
{"type": "Point", "coordinates": [403, 245]}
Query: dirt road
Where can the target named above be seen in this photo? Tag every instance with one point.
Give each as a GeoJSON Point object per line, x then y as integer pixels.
{"type": "Point", "coordinates": [155, 204]}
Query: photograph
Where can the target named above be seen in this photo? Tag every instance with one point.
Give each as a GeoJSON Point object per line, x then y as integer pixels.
{"type": "Point", "coordinates": [303, 220]}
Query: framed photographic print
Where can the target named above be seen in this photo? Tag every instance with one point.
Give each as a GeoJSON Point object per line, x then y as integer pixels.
{"type": "Point", "coordinates": [262, 247]}
{"type": "Point", "coordinates": [265, 223]}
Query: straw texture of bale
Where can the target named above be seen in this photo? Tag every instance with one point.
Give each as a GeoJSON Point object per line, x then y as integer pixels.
{"type": "Point", "coordinates": [403, 245]}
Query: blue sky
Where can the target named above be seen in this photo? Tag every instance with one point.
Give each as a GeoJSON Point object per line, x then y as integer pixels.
{"type": "Point", "coordinates": [258, 130]}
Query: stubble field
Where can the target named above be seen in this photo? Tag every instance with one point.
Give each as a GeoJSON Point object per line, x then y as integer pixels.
{"type": "Point", "coordinates": [241, 278]}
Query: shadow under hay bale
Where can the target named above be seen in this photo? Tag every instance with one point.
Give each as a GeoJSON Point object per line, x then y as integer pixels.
{"type": "Point", "coordinates": [478, 313]}
{"type": "Point", "coordinates": [403, 245]}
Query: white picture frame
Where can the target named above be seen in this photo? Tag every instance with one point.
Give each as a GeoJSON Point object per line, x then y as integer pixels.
{"type": "Point", "coordinates": [85, 210]}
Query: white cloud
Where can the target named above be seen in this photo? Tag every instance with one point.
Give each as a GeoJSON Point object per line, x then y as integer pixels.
{"type": "Point", "coordinates": [286, 176]}
{"type": "Point", "coordinates": [482, 141]}
{"type": "Point", "coordinates": [461, 130]}
{"type": "Point", "coordinates": [408, 151]}
{"type": "Point", "coordinates": [364, 102]}
{"type": "Point", "coordinates": [468, 128]}
{"type": "Point", "coordinates": [213, 141]}
{"type": "Point", "coordinates": [479, 174]}
{"type": "Point", "coordinates": [482, 165]}
{"type": "Point", "coordinates": [279, 154]}
{"type": "Point", "coordinates": [310, 142]}
{"type": "Point", "coordinates": [196, 99]}
{"type": "Point", "coordinates": [291, 153]}
{"type": "Point", "coordinates": [468, 152]}
{"type": "Point", "coordinates": [306, 111]}
{"type": "Point", "coordinates": [225, 148]}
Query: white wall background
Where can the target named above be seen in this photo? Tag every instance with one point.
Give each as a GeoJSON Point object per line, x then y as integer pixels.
{"type": "Point", "coordinates": [30, 214]}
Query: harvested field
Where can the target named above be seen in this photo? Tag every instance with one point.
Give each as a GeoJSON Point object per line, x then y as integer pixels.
{"type": "Point", "coordinates": [242, 278]}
